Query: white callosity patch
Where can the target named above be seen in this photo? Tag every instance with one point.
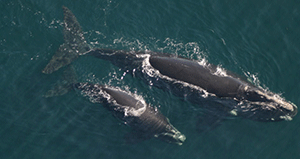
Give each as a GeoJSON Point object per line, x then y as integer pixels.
{"type": "Point", "coordinates": [173, 133]}
{"type": "Point", "coordinates": [275, 98]}
{"type": "Point", "coordinates": [286, 117]}
{"type": "Point", "coordinates": [271, 102]}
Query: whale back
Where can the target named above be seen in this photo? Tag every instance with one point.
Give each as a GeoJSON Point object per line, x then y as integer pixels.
{"type": "Point", "coordinates": [134, 112]}
{"type": "Point", "coordinates": [192, 72]}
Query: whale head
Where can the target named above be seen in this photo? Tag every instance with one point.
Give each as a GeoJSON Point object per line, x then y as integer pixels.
{"type": "Point", "coordinates": [172, 135]}
{"type": "Point", "coordinates": [262, 105]}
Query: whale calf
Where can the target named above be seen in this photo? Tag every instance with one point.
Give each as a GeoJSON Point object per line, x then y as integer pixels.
{"type": "Point", "coordinates": [249, 101]}
{"type": "Point", "coordinates": [144, 119]}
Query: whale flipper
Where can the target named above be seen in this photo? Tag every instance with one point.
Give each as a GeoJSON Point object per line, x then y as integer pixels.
{"type": "Point", "coordinates": [74, 45]}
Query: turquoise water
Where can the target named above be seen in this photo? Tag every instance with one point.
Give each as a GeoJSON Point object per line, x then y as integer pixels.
{"type": "Point", "coordinates": [257, 39]}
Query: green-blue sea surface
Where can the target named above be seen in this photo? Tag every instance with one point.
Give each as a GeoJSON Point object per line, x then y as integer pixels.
{"type": "Point", "coordinates": [257, 39]}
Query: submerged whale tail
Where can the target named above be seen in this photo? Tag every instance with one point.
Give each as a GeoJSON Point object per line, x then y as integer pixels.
{"type": "Point", "coordinates": [65, 84]}
{"type": "Point", "coordinates": [74, 45]}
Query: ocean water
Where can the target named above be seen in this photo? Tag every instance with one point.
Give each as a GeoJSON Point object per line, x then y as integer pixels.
{"type": "Point", "coordinates": [256, 39]}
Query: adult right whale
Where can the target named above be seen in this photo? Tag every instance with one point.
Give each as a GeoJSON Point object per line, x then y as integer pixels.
{"type": "Point", "coordinates": [267, 105]}
{"type": "Point", "coordinates": [246, 99]}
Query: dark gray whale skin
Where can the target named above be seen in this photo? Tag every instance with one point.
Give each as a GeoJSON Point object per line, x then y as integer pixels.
{"type": "Point", "coordinates": [191, 72]}
{"type": "Point", "coordinates": [146, 121]}
{"type": "Point", "coordinates": [266, 105]}
{"type": "Point", "coordinates": [250, 101]}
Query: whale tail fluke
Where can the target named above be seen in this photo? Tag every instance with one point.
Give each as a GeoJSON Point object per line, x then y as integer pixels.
{"type": "Point", "coordinates": [74, 45]}
{"type": "Point", "coordinates": [65, 84]}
